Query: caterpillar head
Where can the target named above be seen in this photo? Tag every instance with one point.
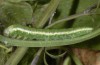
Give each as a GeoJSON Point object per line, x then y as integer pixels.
{"type": "Point", "coordinates": [8, 30]}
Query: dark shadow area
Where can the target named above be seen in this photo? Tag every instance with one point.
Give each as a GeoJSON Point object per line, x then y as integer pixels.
{"type": "Point", "coordinates": [73, 11]}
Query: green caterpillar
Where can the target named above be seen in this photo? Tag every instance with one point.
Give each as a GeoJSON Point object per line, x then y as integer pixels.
{"type": "Point", "coordinates": [22, 32]}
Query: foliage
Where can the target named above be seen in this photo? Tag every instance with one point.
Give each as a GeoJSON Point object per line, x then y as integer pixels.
{"type": "Point", "coordinates": [48, 14]}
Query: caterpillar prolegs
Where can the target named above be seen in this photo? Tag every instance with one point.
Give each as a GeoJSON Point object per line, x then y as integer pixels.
{"type": "Point", "coordinates": [19, 31]}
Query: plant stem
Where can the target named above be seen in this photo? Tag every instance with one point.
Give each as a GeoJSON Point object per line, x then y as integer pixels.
{"type": "Point", "coordinates": [16, 56]}
{"type": "Point", "coordinates": [14, 60]}
{"type": "Point", "coordinates": [66, 19]}
{"type": "Point", "coordinates": [35, 60]}
{"type": "Point", "coordinates": [47, 13]}
{"type": "Point", "coordinates": [84, 13]}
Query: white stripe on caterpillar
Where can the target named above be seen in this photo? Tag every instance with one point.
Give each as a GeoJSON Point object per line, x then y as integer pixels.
{"type": "Point", "coordinates": [19, 31]}
{"type": "Point", "coordinates": [45, 33]}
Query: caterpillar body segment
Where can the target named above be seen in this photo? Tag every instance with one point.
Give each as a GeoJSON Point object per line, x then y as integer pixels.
{"type": "Point", "coordinates": [23, 32]}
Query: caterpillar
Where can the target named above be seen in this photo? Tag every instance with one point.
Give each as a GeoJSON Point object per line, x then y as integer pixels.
{"type": "Point", "coordinates": [23, 32]}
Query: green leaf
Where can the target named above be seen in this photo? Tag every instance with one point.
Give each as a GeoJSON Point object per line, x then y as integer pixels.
{"type": "Point", "coordinates": [91, 21]}
{"type": "Point", "coordinates": [16, 1]}
{"type": "Point", "coordinates": [62, 11]}
{"type": "Point", "coordinates": [11, 13]}
{"type": "Point", "coordinates": [67, 61]}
